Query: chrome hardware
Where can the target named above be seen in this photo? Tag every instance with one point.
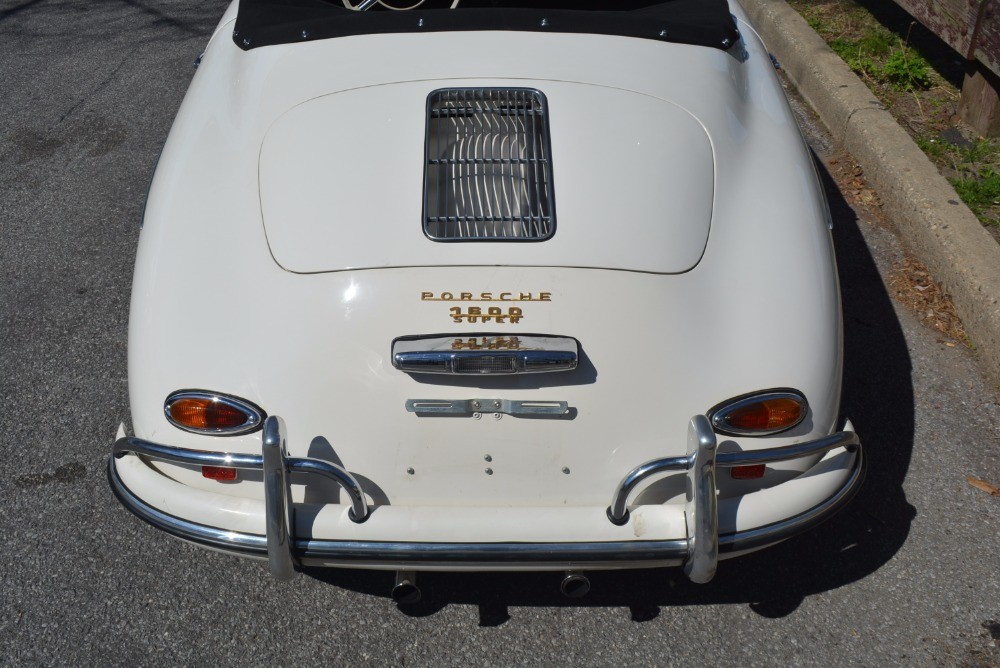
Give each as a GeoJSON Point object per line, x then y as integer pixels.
{"type": "Point", "coordinates": [485, 355]}
{"type": "Point", "coordinates": [574, 585]}
{"type": "Point", "coordinates": [700, 464]}
{"type": "Point", "coordinates": [469, 407]}
{"type": "Point", "coordinates": [358, 512]}
{"type": "Point", "coordinates": [618, 510]}
{"type": "Point", "coordinates": [720, 412]}
{"type": "Point", "coordinates": [697, 551]}
{"type": "Point", "coordinates": [405, 591]}
{"type": "Point", "coordinates": [702, 508]}
{"type": "Point", "coordinates": [545, 555]}
{"type": "Point", "coordinates": [277, 500]}
{"type": "Point", "coordinates": [488, 174]}
{"type": "Point", "coordinates": [253, 414]}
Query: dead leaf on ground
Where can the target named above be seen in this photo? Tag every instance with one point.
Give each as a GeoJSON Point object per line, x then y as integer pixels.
{"type": "Point", "coordinates": [912, 284]}
{"type": "Point", "coordinates": [983, 485]}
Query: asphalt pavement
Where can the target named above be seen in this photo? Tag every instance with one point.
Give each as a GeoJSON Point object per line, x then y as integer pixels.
{"type": "Point", "coordinates": [906, 575]}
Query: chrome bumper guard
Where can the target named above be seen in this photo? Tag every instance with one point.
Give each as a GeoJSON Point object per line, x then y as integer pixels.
{"type": "Point", "coordinates": [699, 551]}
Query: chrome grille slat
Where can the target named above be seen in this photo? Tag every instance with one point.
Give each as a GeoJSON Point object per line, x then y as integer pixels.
{"type": "Point", "coordinates": [488, 174]}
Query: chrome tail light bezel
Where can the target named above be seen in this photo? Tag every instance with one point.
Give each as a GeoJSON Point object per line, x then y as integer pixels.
{"type": "Point", "coordinates": [255, 415]}
{"type": "Point", "coordinates": [718, 413]}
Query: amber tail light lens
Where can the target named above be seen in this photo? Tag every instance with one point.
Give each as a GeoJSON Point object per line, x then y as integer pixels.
{"type": "Point", "coordinates": [204, 412]}
{"type": "Point", "coordinates": [760, 413]}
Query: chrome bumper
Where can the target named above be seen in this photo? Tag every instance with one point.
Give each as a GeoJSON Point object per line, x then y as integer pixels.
{"type": "Point", "coordinates": [698, 551]}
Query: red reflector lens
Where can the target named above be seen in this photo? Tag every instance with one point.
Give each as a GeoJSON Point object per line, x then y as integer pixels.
{"type": "Point", "coordinates": [766, 415]}
{"type": "Point", "coordinates": [220, 473]}
{"type": "Point", "coordinates": [206, 413]}
{"type": "Point", "coordinates": [748, 472]}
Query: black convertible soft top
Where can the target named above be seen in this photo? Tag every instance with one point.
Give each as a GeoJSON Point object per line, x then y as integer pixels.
{"type": "Point", "coordinates": [701, 22]}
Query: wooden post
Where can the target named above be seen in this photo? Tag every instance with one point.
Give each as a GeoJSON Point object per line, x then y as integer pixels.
{"type": "Point", "coordinates": [972, 28]}
{"type": "Point", "coordinates": [980, 103]}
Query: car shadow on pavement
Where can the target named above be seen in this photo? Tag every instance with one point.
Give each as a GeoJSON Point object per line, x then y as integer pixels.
{"type": "Point", "coordinates": [878, 398]}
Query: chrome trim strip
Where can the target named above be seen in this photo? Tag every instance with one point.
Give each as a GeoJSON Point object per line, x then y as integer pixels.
{"type": "Point", "coordinates": [277, 500]}
{"type": "Point", "coordinates": [358, 512]}
{"type": "Point", "coordinates": [702, 512]}
{"type": "Point", "coordinates": [495, 553]}
{"type": "Point", "coordinates": [428, 554]}
{"type": "Point", "coordinates": [458, 362]}
{"type": "Point", "coordinates": [841, 439]}
{"type": "Point", "coordinates": [473, 406]}
{"type": "Point", "coordinates": [486, 354]}
{"type": "Point", "coordinates": [132, 445]}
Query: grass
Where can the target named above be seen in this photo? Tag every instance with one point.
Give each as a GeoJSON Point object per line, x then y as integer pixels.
{"type": "Point", "coordinates": [923, 101]}
{"type": "Point", "coordinates": [906, 70]}
{"type": "Point", "coordinates": [872, 51]}
{"type": "Point", "coordinates": [980, 194]}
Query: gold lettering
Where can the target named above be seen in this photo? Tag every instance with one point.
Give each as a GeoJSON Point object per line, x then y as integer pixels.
{"type": "Point", "coordinates": [525, 297]}
{"type": "Point", "coordinates": [447, 296]}
{"type": "Point", "coordinates": [504, 296]}
{"type": "Point", "coordinates": [544, 296]}
{"type": "Point", "coordinates": [486, 296]}
{"type": "Point", "coordinates": [426, 295]}
{"type": "Point", "coordinates": [466, 296]}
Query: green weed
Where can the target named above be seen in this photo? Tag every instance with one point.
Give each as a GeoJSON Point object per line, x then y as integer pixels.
{"type": "Point", "coordinates": [856, 58]}
{"type": "Point", "coordinates": [934, 149]}
{"type": "Point", "coordinates": [906, 70]}
{"type": "Point", "coordinates": [877, 41]}
{"type": "Point", "coordinates": [980, 193]}
{"type": "Point", "coordinates": [985, 150]}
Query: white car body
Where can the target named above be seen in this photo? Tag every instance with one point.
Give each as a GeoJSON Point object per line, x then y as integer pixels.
{"type": "Point", "coordinates": [282, 254]}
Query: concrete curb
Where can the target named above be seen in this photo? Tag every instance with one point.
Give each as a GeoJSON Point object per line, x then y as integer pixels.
{"type": "Point", "coordinates": [936, 226]}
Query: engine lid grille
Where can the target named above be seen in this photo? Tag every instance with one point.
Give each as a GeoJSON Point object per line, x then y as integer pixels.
{"type": "Point", "coordinates": [488, 172]}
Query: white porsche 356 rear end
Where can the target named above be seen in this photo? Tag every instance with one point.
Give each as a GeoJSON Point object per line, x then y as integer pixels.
{"type": "Point", "coordinates": [485, 287]}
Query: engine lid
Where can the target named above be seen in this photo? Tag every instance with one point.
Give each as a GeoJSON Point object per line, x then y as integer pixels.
{"type": "Point", "coordinates": [342, 183]}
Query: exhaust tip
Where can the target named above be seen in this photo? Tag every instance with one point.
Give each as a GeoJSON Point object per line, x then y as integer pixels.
{"type": "Point", "coordinates": [574, 585]}
{"type": "Point", "coordinates": [406, 591]}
